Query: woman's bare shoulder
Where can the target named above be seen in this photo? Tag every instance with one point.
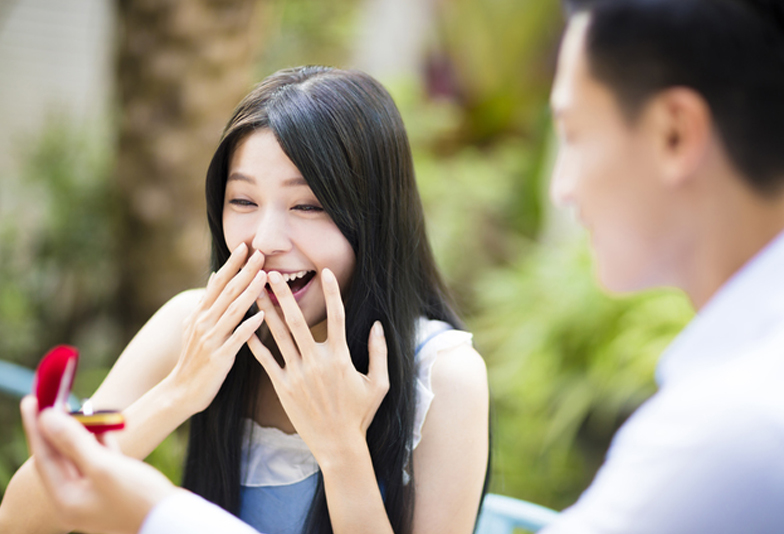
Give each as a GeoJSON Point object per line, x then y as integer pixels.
{"type": "Point", "coordinates": [458, 371]}
{"type": "Point", "coordinates": [182, 304]}
{"type": "Point", "coordinates": [152, 353]}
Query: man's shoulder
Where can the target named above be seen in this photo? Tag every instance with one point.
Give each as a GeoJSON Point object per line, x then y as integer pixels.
{"type": "Point", "coordinates": [728, 413]}
{"type": "Point", "coordinates": [699, 456]}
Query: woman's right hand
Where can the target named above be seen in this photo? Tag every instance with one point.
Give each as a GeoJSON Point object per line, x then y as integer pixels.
{"type": "Point", "coordinates": [212, 336]}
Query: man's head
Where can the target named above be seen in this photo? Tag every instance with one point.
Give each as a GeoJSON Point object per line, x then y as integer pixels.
{"type": "Point", "coordinates": [655, 102]}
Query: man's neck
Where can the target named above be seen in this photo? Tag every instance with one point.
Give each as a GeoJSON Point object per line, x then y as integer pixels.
{"type": "Point", "coordinates": [730, 233]}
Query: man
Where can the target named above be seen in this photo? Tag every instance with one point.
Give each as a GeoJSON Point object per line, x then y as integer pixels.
{"type": "Point", "coordinates": [670, 115]}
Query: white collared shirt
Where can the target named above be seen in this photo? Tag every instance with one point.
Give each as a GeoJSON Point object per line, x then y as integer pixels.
{"type": "Point", "coordinates": [705, 453]}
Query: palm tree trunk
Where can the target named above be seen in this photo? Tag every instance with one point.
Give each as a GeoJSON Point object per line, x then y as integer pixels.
{"type": "Point", "coordinates": [182, 67]}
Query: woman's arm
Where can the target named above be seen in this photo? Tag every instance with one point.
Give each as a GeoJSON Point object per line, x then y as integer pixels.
{"type": "Point", "coordinates": [451, 460]}
{"type": "Point", "coordinates": [331, 406]}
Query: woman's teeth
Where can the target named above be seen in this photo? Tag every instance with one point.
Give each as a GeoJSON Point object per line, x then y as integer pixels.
{"type": "Point", "coordinates": [288, 277]}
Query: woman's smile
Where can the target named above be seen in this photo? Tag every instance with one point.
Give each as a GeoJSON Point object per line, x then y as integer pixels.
{"type": "Point", "coordinates": [299, 282]}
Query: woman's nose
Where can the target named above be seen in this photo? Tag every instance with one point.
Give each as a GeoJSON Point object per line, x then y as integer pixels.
{"type": "Point", "coordinates": [271, 236]}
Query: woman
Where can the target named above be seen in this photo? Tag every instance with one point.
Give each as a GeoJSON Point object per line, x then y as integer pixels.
{"type": "Point", "coordinates": [312, 184]}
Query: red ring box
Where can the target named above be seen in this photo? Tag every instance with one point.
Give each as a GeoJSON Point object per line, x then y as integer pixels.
{"type": "Point", "coordinates": [52, 385]}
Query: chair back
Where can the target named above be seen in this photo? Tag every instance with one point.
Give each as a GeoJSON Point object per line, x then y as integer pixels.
{"type": "Point", "coordinates": [17, 381]}
{"type": "Point", "coordinates": [501, 515]}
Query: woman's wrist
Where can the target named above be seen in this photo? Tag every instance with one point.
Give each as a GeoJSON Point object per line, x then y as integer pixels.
{"type": "Point", "coordinates": [174, 397]}
{"type": "Point", "coordinates": [349, 454]}
{"type": "Point", "coordinates": [152, 417]}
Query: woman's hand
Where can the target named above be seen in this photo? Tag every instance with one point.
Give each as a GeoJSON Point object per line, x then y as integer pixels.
{"type": "Point", "coordinates": [327, 400]}
{"type": "Point", "coordinates": [212, 338]}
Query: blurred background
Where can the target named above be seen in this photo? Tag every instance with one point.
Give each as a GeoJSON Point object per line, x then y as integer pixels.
{"type": "Point", "coordinates": [110, 112]}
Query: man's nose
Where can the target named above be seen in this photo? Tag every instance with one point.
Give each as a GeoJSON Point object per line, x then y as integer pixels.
{"type": "Point", "coordinates": [561, 186]}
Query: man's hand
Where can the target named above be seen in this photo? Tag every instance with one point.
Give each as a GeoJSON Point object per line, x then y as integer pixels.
{"type": "Point", "coordinates": [94, 487]}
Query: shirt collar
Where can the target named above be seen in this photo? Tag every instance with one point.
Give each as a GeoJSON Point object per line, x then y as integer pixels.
{"type": "Point", "coordinates": [744, 311]}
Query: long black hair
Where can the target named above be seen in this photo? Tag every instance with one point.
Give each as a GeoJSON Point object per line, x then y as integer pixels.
{"type": "Point", "coordinates": [341, 129]}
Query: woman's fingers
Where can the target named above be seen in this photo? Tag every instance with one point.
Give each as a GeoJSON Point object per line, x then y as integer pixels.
{"type": "Point", "coordinates": [278, 329]}
{"type": "Point", "coordinates": [378, 371]}
{"type": "Point", "coordinates": [296, 322]}
{"type": "Point", "coordinates": [224, 275]}
{"type": "Point", "coordinates": [266, 359]}
{"type": "Point", "coordinates": [234, 287]}
{"type": "Point", "coordinates": [244, 333]}
{"type": "Point", "coordinates": [336, 313]}
{"type": "Point", "coordinates": [237, 309]}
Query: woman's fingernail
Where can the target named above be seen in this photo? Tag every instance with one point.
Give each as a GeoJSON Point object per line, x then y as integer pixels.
{"type": "Point", "coordinates": [378, 329]}
{"type": "Point", "coordinates": [274, 277]}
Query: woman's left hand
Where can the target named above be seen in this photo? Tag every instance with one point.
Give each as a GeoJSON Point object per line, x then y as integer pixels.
{"type": "Point", "coordinates": [327, 400]}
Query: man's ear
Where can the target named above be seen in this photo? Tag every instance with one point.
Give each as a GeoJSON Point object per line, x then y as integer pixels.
{"type": "Point", "coordinates": [680, 122]}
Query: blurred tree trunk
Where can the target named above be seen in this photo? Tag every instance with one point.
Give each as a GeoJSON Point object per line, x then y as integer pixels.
{"type": "Point", "coordinates": [183, 65]}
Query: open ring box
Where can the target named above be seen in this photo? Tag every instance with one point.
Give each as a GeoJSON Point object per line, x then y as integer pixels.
{"type": "Point", "coordinates": [53, 381]}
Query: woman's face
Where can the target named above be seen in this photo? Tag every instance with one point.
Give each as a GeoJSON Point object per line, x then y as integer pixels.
{"type": "Point", "coordinates": [270, 207]}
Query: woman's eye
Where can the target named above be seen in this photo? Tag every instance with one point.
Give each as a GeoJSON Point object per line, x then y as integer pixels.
{"type": "Point", "coordinates": [308, 208]}
{"type": "Point", "coordinates": [241, 202]}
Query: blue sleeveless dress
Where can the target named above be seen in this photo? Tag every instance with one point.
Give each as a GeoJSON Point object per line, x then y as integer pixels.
{"type": "Point", "coordinates": [279, 474]}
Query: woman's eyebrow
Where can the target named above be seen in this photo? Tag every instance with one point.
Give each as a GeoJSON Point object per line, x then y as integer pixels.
{"type": "Point", "coordinates": [297, 180]}
{"type": "Point", "coordinates": [241, 177]}
{"type": "Point", "coordinates": [288, 182]}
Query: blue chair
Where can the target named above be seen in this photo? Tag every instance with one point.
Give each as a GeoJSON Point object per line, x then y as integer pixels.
{"type": "Point", "coordinates": [501, 515]}
{"type": "Point", "coordinates": [17, 381]}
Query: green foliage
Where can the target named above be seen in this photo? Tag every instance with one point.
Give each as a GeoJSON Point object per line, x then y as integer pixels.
{"type": "Point", "coordinates": [57, 267]}
{"type": "Point", "coordinates": [501, 51]}
{"type": "Point", "coordinates": [57, 263]}
{"type": "Point", "coordinates": [300, 32]}
{"type": "Point", "coordinates": [58, 273]}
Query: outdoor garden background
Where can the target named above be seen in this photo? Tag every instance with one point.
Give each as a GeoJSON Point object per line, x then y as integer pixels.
{"type": "Point", "coordinates": [110, 111]}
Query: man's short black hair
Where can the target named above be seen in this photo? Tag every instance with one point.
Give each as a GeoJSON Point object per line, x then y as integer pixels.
{"type": "Point", "coordinates": [729, 51]}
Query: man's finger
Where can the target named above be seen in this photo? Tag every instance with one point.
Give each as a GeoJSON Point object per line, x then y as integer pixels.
{"type": "Point", "coordinates": [29, 409]}
{"type": "Point", "coordinates": [69, 438]}
{"type": "Point", "coordinates": [47, 461]}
